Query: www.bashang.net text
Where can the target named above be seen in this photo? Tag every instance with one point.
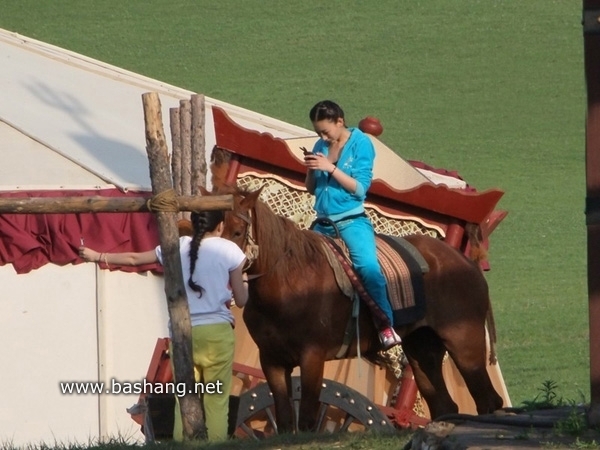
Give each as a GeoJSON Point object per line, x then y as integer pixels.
{"type": "Point", "coordinates": [115, 387]}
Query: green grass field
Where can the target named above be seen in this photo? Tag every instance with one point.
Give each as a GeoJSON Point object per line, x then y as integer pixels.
{"type": "Point", "coordinates": [494, 89]}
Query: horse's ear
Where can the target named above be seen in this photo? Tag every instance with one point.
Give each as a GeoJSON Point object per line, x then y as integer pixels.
{"type": "Point", "coordinates": [224, 189]}
{"type": "Point", "coordinates": [250, 200]}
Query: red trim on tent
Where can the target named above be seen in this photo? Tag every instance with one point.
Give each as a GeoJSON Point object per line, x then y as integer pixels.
{"type": "Point", "coordinates": [272, 154]}
{"type": "Point", "coordinates": [30, 241]}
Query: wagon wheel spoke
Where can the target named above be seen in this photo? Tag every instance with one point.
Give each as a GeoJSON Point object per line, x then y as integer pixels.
{"type": "Point", "coordinates": [296, 412]}
{"type": "Point", "coordinates": [349, 420]}
{"type": "Point", "coordinates": [254, 415]}
{"type": "Point", "coordinates": [271, 419]}
{"type": "Point", "coordinates": [249, 431]}
{"type": "Point", "coordinates": [355, 408]}
{"type": "Point", "coordinates": [341, 409]}
{"type": "Point", "coordinates": [321, 416]}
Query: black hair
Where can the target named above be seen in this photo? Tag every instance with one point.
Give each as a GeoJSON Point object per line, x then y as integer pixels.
{"type": "Point", "coordinates": [324, 110]}
{"type": "Point", "coordinates": [203, 222]}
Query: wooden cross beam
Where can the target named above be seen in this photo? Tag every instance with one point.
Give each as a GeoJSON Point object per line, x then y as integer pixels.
{"type": "Point", "coordinates": [97, 203]}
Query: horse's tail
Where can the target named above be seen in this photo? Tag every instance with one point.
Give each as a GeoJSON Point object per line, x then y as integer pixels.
{"type": "Point", "coordinates": [491, 328]}
{"type": "Point", "coordinates": [477, 251]}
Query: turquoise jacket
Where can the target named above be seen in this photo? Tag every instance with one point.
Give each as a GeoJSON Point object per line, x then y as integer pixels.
{"type": "Point", "coordinates": [356, 159]}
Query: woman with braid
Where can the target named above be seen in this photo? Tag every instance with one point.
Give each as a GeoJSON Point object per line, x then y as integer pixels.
{"type": "Point", "coordinates": [214, 272]}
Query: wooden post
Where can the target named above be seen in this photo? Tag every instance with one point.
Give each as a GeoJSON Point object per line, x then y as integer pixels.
{"type": "Point", "coordinates": [591, 44]}
{"type": "Point", "coordinates": [198, 177]}
{"type": "Point", "coordinates": [185, 119]}
{"type": "Point", "coordinates": [156, 146]}
{"type": "Point", "coordinates": [175, 125]}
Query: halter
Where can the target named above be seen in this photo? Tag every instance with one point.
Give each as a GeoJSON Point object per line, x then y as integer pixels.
{"type": "Point", "coordinates": [250, 246]}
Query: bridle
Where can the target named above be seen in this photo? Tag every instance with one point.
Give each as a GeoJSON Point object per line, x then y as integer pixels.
{"type": "Point", "coordinates": [249, 244]}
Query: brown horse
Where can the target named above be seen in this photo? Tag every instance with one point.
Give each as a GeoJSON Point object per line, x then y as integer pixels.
{"type": "Point", "coordinates": [297, 315]}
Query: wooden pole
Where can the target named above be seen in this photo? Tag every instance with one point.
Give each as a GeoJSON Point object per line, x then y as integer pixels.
{"type": "Point", "coordinates": [156, 146]}
{"type": "Point", "coordinates": [591, 44]}
{"type": "Point", "coordinates": [62, 205]}
{"type": "Point", "coordinates": [185, 118]}
{"type": "Point", "coordinates": [175, 126]}
{"type": "Point", "coordinates": [198, 144]}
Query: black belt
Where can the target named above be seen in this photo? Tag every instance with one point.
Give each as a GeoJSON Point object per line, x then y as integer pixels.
{"type": "Point", "coordinates": [329, 223]}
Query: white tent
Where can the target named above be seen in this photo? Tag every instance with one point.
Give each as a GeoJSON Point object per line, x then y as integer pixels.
{"type": "Point", "coordinates": [70, 122]}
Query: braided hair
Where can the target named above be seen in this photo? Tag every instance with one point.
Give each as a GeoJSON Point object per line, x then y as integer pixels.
{"type": "Point", "coordinates": [202, 222]}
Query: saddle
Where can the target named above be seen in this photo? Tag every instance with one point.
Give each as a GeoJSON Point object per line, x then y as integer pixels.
{"type": "Point", "coordinates": [402, 266]}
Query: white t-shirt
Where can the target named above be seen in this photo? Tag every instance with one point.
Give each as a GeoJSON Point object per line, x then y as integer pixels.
{"type": "Point", "coordinates": [216, 258]}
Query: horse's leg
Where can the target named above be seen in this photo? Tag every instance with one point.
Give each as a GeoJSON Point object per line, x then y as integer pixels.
{"type": "Point", "coordinates": [470, 357]}
{"type": "Point", "coordinates": [279, 381]}
{"type": "Point", "coordinates": [425, 352]}
{"type": "Point", "coordinates": [311, 379]}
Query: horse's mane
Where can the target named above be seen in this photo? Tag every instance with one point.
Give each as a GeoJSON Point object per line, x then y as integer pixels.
{"type": "Point", "coordinates": [276, 235]}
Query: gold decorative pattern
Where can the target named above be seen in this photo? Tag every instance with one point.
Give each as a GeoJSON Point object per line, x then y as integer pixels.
{"type": "Point", "coordinates": [289, 200]}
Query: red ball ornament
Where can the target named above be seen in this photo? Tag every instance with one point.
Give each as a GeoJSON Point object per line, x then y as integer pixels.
{"type": "Point", "coordinates": [370, 125]}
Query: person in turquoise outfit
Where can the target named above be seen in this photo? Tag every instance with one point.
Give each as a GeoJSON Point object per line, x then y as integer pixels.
{"type": "Point", "coordinates": [339, 173]}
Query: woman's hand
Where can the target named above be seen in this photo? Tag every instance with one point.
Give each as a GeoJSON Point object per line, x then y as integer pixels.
{"type": "Point", "coordinates": [88, 254]}
{"type": "Point", "coordinates": [318, 161]}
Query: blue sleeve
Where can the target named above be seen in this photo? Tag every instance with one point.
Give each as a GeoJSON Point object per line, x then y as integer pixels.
{"type": "Point", "coordinates": [318, 147]}
{"type": "Point", "coordinates": [362, 170]}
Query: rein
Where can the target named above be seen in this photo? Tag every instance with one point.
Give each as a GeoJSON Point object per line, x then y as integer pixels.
{"type": "Point", "coordinates": [250, 245]}
{"type": "Point", "coordinates": [251, 248]}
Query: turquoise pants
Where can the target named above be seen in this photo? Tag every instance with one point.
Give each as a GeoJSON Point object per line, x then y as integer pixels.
{"type": "Point", "coordinates": [359, 236]}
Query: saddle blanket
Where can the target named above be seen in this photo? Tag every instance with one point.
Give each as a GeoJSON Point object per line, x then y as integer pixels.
{"type": "Point", "coordinates": [401, 264]}
{"type": "Point", "coordinates": [403, 268]}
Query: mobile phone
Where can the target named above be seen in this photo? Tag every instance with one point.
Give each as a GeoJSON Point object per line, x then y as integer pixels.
{"type": "Point", "coordinates": [306, 152]}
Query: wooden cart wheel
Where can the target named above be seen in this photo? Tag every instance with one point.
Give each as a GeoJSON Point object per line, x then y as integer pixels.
{"type": "Point", "coordinates": [342, 409]}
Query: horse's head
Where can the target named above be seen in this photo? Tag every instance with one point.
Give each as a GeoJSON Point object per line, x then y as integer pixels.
{"type": "Point", "coordinates": [240, 221]}
{"type": "Point", "coordinates": [282, 243]}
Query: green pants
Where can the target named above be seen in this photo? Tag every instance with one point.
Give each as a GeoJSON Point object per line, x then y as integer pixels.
{"type": "Point", "coordinates": [212, 349]}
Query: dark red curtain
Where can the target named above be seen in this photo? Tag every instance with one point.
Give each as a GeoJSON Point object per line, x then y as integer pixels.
{"type": "Point", "coordinates": [29, 241]}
